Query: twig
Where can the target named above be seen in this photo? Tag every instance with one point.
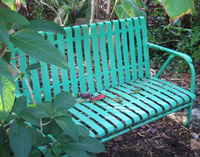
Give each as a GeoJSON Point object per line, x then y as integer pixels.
{"type": "Point", "coordinates": [46, 123]}
{"type": "Point", "coordinates": [30, 89]}
{"type": "Point", "coordinates": [18, 57]}
{"type": "Point", "coordinates": [168, 42]}
{"type": "Point", "coordinates": [3, 51]}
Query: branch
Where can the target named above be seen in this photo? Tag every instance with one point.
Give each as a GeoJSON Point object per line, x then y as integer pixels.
{"type": "Point", "coordinates": [3, 51]}
{"type": "Point", "coordinates": [27, 83]}
{"type": "Point", "coordinates": [18, 57]}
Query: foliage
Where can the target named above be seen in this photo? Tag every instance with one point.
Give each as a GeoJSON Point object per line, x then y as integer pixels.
{"type": "Point", "coordinates": [25, 130]}
{"type": "Point", "coordinates": [52, 130]}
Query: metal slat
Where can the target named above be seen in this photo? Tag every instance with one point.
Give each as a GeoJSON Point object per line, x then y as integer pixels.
{"type": "Point", "coordinates": [88, 57]}
{"type": "Point", "coordinates": [54, 69]}
{"type": "Point", "coordinates": [79, 55]}
{"type": "Point", "coordinates": [89, 122]}
{"type": "Point", "coordinates": [135, 101]}
{"type": "Point", "coordinates": [132, 49]}
{"type": "Point", "coordinates": [156, 94]}
{"type": "Point", "coordinates": [109, 127]}
{"type": "Point", "coordinates": [169, 91]}
{"type": "Point", "coordinates": [139, 48]}
{"type": "Point", "coordinates": [95, 49]}
{"type": "Point", "coordinates": [111, 54]}
{"type": "Point", "coordinates": [177, 88]}
{"type": "Point", "coordinates": [104, 55]}
{"type": "Point", "coordinates": [145, 46]}
{"type": "Point", "coordinates": [162, 103]}
{"type": "Point", "coordinates": [143, 99]}
{"type": "Point", "coordinates": [70, 55]}
{"type": "Point", "coordinates": [125, 50]}
{"type": "Point", "coordinates": [118, 52]}
{"type": "Point", "coordinates": [64, 72]}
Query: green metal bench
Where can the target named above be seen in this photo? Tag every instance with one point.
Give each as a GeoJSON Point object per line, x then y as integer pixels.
{"type": "Point", "coordinates": [109, 58]}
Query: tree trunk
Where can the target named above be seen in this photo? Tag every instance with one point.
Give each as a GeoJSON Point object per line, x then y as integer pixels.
{"type": "Point", "coordinates": [97, 9]}
{"type": "Point", "coordinates": [109, 8]}
{"type": "Point", "coordinates": [92, 11]}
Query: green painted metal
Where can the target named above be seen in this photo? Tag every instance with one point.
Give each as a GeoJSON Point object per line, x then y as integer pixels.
{"type": "Point", "coordinates": [110, 58]}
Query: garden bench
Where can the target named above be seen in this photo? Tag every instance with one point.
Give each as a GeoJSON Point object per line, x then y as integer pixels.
{"type": "Point", "coordinates": [116, 69]}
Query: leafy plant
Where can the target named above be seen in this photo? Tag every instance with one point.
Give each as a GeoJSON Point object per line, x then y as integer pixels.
{"type": "Point", "coordinates": [52, 130]}
{"type": "Point", "coordinates": [37, 129]}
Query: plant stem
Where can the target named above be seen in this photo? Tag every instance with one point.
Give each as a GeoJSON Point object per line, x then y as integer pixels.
{"type": "Point", "coordinates": [27, 83]}
{"type": "Point", "coordinates": [18, 57]}
{"type": "Point", "coordinates": [3, 51]}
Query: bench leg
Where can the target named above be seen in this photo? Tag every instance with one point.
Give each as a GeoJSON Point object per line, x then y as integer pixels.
{"type": "Point", "coordinates": [189, 114]}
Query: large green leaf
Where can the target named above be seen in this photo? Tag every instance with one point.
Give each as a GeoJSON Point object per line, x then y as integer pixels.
{"type": "Point", "coordinates": [8, 2]}
{"type": "Point", "coordinates": [178, 8]}
{"type": "Point", "coordinates": [27, 116]}
{"type": "Point", "coordinates": [4, 37]}
{"type": "Point", "coordinates": [37, 47]}
{"type": "Point", "coordinates": [12, 16]}
{"type": "Point", "coordinates": [20, 139]}
{"type": "Point", "coordinates": [46, 26]}
{"type": "Point", "coordinates": [7, 89]}
{"type": "Point", "coordinates": [68, 126]}
{"type": "Point", "coordinates": [132, 9]}
{"type": "Point", "coordinates": [64, 101]}
{"type": "Point", "coordinates": [74, 150]}
{"type": "Point", "coordinates": [91, 144]}
{"type": "Point", "coordinates": [55, 130]}
{"type": "Point", "coordinates": [20, 104]}
{"type": "Point", "coordinates": [121, 14]}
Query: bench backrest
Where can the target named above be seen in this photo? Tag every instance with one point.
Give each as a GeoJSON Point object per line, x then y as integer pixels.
{"type": "Point", "coordinates": [100, 56]}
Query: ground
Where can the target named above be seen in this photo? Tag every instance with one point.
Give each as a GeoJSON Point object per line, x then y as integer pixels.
{"type": "Point", "coordinates": [166, 137]}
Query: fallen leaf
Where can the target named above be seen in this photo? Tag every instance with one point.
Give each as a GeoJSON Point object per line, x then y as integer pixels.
{"type": "Point", "coordinates": [98, 97]}
{"type": "Point", "coordinates": [137, 91]}
{"type": "Point", "coordinates": [194, 144]}
{"type": "Point", "coordinates": [118, 100]}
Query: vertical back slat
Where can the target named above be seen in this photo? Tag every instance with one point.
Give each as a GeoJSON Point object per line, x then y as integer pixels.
{"type": "Point", "coordinates": [54, 69]}
{"type": "Point", "coordinates": [95, 49]}
{"type": "Point", "coordinates": [23, 66]}
{"type": "Point", "coordinates": [104, 55]}
{"type": "Point", "coordinates": [139, 47]}
{"type": "Point", "coordinates": [145, 46]}
{"type": "Point", "coordinates": [64, 72]}
{"type": "Point", "coordinates": [88, 61]}
{"type": "Point", "coordinates": [132, 48]}
{"type": "Point", "coordinates": [118, 52]}
{"type": "Point", "coordinates": [36, 82]}
{"type": "Point", "coordinates": [79, 55]}
{"type": "Point", "coordinates": [111, 54]}
{"type": "Point", "coordinates": [125, 50]}
{"type": "Point", "coordinates": [70, 53]}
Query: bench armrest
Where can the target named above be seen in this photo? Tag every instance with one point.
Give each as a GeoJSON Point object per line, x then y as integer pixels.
{"type": "Point", "coordinates": [174, 53]}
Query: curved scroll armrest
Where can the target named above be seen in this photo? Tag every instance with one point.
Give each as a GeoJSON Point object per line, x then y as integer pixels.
{"type": "Point", "coordinates": [174, 53]}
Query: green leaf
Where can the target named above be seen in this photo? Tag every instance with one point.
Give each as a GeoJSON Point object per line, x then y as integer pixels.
{"type": "Point", "coordinates": [184, 38]}
{"type": "Point", "coordinates": [19, 105]}
{"type": "Point", "coordinates": [56, 150]}
{"type": "Point", "coordinates": [83, 131]}
{"type": "Point", "coordinates": [46, 26]}
{"type": "Point", "coordinates": [7, 57]}
{"type": "Point", "coordinates": [132, 9]}
{"type": "Point", "coordinates": [5, 150]}
{"type": "Point", "coordinates": [8, 2]}
{"type": "Point", "coordinates": [178, 8]}
{"type": "Point", "coordinates": [38, 111]}
{"type": "Point", "coordinates": [33, 66]}
{"type": "Point", "coordinates": [65, 139]}
{"type": "Point", "coordinates": [62, 114]}
{"type": "Point", "coordinates": [7, 88]}
{"type": "Point", "coordinates": [4, 36]}
{"type": "Point", "coordinates": [35, 152]}
{"type": "Point", "coordinates": [74, 150]}
{"type": "Point", "coordinates": [121, 14]}
{"type": "Point", "coordinates": [37, 47]}
{"type": "Point", "coordinates": [12, 17]}
{"type": "Point", "coordinates": [55, 130]}
{"type": "Point", "coordinates": [36, 137]}
{"type": "Point", "coordinates": [20, 139]}
{"type": "Point", "coordinates": [2, 135]}
{"type": "Point", "coordinates": [195, 37]}
{"type": "Point", "coordinates": [91, 144]}
{"type": "Point", "coordinates": [64, 101]}
{"type": "Point", "coordinates": [141, 3]}
{"type": "Point", "coordinates": [68, 126]}
{"type": "Point", "coordinates": [27, 116]}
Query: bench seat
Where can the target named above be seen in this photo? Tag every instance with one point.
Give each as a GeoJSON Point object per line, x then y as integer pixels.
{"type": "Point", "coordinates": [106, 116]}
